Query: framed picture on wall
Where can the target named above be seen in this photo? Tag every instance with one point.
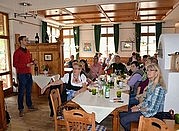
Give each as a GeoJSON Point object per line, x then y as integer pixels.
{"type": "Point", "coordinates": [48, 57]}
{"type": "Point", "coordinates": [87, 46]}
{"type": "Point", "coordinates": [126, 46]}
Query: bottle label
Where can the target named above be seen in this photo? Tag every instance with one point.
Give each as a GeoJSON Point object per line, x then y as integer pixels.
{"type": "Point", "coordinates": [107, 94]}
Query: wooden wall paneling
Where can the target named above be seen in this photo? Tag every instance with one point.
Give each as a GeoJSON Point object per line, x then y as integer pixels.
{"type": "Point", "coordinates": [3, 124]}
{"type": "Point", "coordinates": [61, 53]}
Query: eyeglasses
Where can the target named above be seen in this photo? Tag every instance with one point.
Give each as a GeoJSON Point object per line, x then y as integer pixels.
{"type": "Point", "coordinates": [151, 70]}
{"type": "Point", "coordinates": [76, 68]}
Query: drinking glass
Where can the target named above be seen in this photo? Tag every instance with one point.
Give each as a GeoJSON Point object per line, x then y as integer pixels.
{"type": "Point", "coordinates": [118, 93]}
{"type": "Point", "coordinates": [93, 91]}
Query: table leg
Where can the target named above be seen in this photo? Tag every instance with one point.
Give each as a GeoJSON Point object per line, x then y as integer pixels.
{"type": "Point", "coordinates": [115, 120]}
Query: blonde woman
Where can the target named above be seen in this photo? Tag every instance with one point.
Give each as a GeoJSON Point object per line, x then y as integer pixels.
{"type": "Point", "coordinates": [153, 101]}
{"type": "Point", "coordinates": [74, 83]}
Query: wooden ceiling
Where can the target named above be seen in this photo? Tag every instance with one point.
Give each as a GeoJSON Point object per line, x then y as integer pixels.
{"type": "Point", "coordinates": [152, 10]}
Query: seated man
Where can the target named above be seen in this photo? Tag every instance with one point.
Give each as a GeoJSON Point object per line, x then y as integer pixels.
{"type": "Point", "coordinates": [136, 78]}
{"type": "Point", "coordinates": [117, 65]}
{"type": "Point", "coordinates": [70, 62]}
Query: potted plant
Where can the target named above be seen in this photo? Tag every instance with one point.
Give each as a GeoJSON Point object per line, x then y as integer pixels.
{"type": "Point", "coordinates": [45, 69]}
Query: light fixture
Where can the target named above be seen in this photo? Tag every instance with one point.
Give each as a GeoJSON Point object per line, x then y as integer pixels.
{"type": "Point", "coordinates": [25, 12]}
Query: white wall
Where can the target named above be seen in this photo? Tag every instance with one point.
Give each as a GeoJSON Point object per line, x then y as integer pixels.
{"type": "Point", "coordinates": [126, 33]}
{"type": "Point", "coordinates": [87, 35]}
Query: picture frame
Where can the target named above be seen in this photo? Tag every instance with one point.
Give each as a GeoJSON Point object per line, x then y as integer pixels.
{"type": "Point", "coordinates": [87, 46]}
{"type": "Point", "coordinates": [126, 46]}
{"type": "Point", "coordinates": [48, 57]}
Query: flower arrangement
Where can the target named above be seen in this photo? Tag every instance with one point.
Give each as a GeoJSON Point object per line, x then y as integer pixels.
{"type": "Point", "coordinates": [45, 67]}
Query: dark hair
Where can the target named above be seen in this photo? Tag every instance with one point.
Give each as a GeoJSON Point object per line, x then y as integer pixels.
{"type": "Point", "coordinates": [21, 38]}
{"type": "Point", "coordinates": [87, 69]}
{"type": "Point", "coordinates": [136, 63]}
{"type": "Point", "coordinates": [133, 53]}
{"type": "Point", "coordinates": [145, 56]}
{"type": "Point", "coordinates": [95, 57]}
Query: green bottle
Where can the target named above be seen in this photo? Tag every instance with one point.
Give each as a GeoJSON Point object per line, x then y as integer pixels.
{"type": "Point", "coordinates": [107, 91]}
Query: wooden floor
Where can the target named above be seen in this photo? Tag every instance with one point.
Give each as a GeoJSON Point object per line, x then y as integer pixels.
{"type": "Point", "coordinates": [36, 120]}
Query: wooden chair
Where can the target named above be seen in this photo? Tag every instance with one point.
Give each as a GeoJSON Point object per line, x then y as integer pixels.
{"type": "Point", "coordinates": [151, 124]}
{"type": "Point", "coordinates": [79, 120]}
{"type": "Point", "coordinates": [58, 108]}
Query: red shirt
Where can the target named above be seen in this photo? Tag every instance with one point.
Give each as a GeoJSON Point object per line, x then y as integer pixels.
{"type": "Point", "coordinates": [20, 60]}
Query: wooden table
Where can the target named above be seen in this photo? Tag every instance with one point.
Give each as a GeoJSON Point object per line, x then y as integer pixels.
{"type": "Point", "coordinates": [41, 81]}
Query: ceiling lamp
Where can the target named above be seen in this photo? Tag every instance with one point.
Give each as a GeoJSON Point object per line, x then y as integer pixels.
{"type": "Point", "coordinates": [25, 12]}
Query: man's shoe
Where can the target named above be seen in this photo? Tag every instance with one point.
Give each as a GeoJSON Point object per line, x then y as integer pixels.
{"type": "Point", "coordinates": [32, 108]}
{"type": "Point", "coordinates": [21, 113]}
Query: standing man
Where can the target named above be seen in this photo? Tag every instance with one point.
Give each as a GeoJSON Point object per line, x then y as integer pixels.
{"type": "Point", "coordinates": [22, 61]}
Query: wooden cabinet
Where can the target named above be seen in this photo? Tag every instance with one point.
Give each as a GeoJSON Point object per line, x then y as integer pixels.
{"type": "Point", "coordinates": [2, 109]}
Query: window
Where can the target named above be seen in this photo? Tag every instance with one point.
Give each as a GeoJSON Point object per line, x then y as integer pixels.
{"type": "Point", "coordinates": [69, 45]}
{"type": "Point", "coordinates": [107, 40]}
{"type": "Point", "coordinates": [148, 40]}
{"type": "Point", "coordinates": [5, 70]}
{"type": "Point", "coordinates": [53, 33]}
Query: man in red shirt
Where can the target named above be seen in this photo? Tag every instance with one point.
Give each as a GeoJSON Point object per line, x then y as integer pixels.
{"type": "Point", "coordinates": [22, 61]}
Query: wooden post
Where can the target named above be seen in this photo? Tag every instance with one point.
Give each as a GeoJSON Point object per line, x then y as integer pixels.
{"type": "Point", "coordinates": [2, 109]}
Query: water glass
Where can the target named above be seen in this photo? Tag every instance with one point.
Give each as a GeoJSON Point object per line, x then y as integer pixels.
{"type": "Point", "coordinates": [100, 91]}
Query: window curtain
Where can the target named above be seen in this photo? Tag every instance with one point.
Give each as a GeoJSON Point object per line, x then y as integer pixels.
{"type": "Point", "coordinates": [44, 32]}
{"type": "Point", "coordinates": [97, 36]}
{"type": "Point", "coordinates": [76, 33]}
{"type": "Point", "coordinates": [116, 37]}
{"type": "Point", "coordinates": [158, 27]}
{"type": "Point", "coordinates": [138, 36]}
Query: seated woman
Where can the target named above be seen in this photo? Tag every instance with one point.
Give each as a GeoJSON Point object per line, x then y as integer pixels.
{"type": "Point", "coordinates": [74, 83]}
{"type": "Point", "coordinates": [96, 68]}
{"type": "Point", "coordinates": [153, 102]}
{"type": "Point", "coordinates": [86, 70]}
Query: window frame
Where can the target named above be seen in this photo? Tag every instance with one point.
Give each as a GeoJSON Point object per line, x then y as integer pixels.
{"type": "Point", "coordinates": [148, 34]}
{"type": "Point", "coordinates": [107, 35]}
{"type": "Point", "coordinates": [6, 37]}
{"type": "Point", "coordinates": [71, 38]}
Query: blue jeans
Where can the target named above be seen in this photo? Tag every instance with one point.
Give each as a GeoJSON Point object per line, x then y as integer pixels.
{"type": "Point", "coordinates": [127, 117]}
{"type": "Point", "coordinates": [25, 82]}
{"type": "Point", "coordinates": [132, 101]}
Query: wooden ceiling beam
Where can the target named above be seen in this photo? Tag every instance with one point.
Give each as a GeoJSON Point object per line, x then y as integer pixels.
{"type": "Point", "coordinates": [152, 15]}
{"type": "Point", "coordinates": [155, 8]}
{"type": "Point", "coordinates": [103, 12]}
{"type": "Point", "coordinates": [70, 13]}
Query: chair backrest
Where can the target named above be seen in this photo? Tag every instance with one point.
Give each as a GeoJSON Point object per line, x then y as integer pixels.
{"type": "Point", "coordinates": [152, 124]}
{"type": "Point", "coordinates": [56, 102]}
{"type": "Point", "coordinates": [79, 120]}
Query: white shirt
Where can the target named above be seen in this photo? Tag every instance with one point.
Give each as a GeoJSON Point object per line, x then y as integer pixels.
{"type": "Point", "coordinates": [81, 77]}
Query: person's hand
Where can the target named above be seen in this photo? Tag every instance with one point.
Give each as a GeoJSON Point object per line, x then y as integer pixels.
{"type": "Point", "coordinates": [135, 109]}
{"type": "Point", "coordinates": [30, 64]}
{"type": "Point", "coordinates": [35, 61]}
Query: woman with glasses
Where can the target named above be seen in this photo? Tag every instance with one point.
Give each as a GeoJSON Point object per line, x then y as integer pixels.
{"type": "Point", "coordinates": [153, 101]}
{"type": "Point", "coordinates": [73, 82]}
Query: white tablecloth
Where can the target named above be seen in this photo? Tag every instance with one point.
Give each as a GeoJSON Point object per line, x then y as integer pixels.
{"type": "Point", "coordinates": [101, 106]}
{"type": "Point", "coordinates": [43, 80]}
